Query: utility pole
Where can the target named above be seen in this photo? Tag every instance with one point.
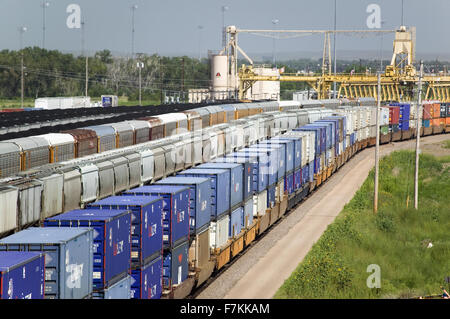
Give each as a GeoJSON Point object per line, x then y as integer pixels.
{"type": "Point", "coordinates": [224, 33]}
{"type": "Point", "coordinates": [140, 66]}
{"type": "Point", "coordinates": [160, 80]}
{"type": "Point", "coordinates": [83, 26]}
{"type": "Point", "coordinates": [274, 22]}
{"type": "Point", "coordinates": [22, 30]}
{"type": "Point", "coordinates": [334, 48]}
{"type": "Point", "coordinates": [182, 78]}
{"type": "Point", "coordinates": [45, 4]}
{"type": "Point", "coordinates": [419, 122]}
{"type": "Point", "coordinates": [133, 8]}
{"type": "Point", "coordinates": [377, 147]}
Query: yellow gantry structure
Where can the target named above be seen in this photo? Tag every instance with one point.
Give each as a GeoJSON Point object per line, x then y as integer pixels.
{"type": "Point", "coordinates": [397, 82]}
{"type": "Point", "coordinates": [395, 86]}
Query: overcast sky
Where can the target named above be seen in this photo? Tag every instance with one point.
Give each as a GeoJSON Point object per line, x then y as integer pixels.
{"type": "Point", "coordinates": [171, 26]}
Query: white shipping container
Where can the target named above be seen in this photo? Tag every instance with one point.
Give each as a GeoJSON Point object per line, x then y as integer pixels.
{"type": "Point", "coordinates": [260, 203]}
{"type": "Point", "coordinates": [147, 165]}
{"type": "Point", "coordinates": [8, 215]}
{"type": "Point", "coordinates": [89, 180]}
{"type": "Point", "coordinates": [218, 232]}
{"type": "Point", "coordinates": [29, 202]}
{"type": "Point", "coordinates": [72, 190]}
{"type": "Point", "coordinates": [52, 195]}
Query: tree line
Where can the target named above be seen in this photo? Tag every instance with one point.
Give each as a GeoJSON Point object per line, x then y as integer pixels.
{"type": "Point", "coordinates": [53, 73]}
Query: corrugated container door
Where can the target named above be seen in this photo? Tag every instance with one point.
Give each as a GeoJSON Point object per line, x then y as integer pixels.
{"type": "Point", "coordinates": [179, 152]}
{"type": "Point", "coordinates": [170, 158]}
{"type": "Point", "coordinates": [29, 202]}
{"type": "Point", "coordinates": [105, 179]}
{"type": "Point", "coordinates": [159, 163]}
{"type": "Point", "coordinates": [134, 165]}
{"type": "Point", "coordinates": [121, 174]}
{"type": "Point", "coordinates": [89, 182]}
{"type": "Point", "coordinates": [72, 190]}
{"type": "Point", "coordinates": [9, 159]}
{"type": "Point", "coordinates": [147, 165]}
{"type": "Point", "coordinates": [52, 195]}
{"type": "Point", "coordinates": [8, 201]}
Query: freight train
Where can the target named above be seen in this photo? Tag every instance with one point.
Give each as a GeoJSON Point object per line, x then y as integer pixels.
{"type": "Point", "coordinates": [164, 215]}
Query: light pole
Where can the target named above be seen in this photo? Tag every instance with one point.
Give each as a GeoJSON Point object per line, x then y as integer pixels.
{"type": "Point", "coordinates": [83, 26]}
{"type": "Point", "coordinates": [133, 8]}
{"type": "Point", "coordinates": [224, 34]}
{"type": "Point", "coordinates": [22, 30]}
{"type": "Point", "coordinates": [334, 47]}
{"type": "Point", "coordinates": [140, 66]}
{"type": "Point", "coordinates": [381, 47]}
{"type": "Point", "coordinates": [45, 4]}
{"type": "Point", "coordinates": [200, 28]}
{"type": "Point", "coordinates": [274, 22]}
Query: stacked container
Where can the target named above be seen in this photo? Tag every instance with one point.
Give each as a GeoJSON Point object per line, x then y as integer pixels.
{"type": "Point", "coordinates": [112, 243]}
{"type": "Point", "coordinates": [68, 262]}
{"type": "Point", "coordinates": [146, 240]}
{"type": "Point", "coordinates": [22, 275]}
{"type": "Point", "coordinates": [394, 120]}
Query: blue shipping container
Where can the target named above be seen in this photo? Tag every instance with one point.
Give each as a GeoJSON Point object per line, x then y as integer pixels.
{"type": "Point", "coordinates": [175, 210]}
{"type": "Point", "coordinates": [288, 151]}
{"type": "Point", "coordinates": [259, 167]}
{"type": "Point", "coordinates": [199, 200]}
{"type": "Point", "coordinates": [249, 169]}
{"type": "Point", "coordinates": [269, 160]}
{"type": "Point", "coordinates": [220, 188]}
{"type": "Point", "coordinates": [68, 258]}
{"type": "Point", "coordinates": [175, 265]}
{"type": "Point", "coordinates": [297, 148]}
{"type": "Point", "coordinates": [298, 179]}
{"type": "Point", "coordinates": [146, 281]}
{"type": "Point", "coordinates": [22, 275]}
{"type": "Point", "coordinates": [289, 183]}
{"type": "Point", "coordinates": [120, 290]}
{"type": "Point", "coordinates": [112, 244]}
{"type": "Point", "coordinates": [236, 217]}
{"type": "Point", "coordinates": [146, 228]}
{"type": "Point", "coordinates": [280, 156]}
{"type": "Point", "coordinates": [236, 181]}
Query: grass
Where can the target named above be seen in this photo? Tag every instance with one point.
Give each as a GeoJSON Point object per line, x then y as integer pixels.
{"type": "Point", "coordinates": [447, 144]}
{"type": "Point", "coordinates": [396, 238]}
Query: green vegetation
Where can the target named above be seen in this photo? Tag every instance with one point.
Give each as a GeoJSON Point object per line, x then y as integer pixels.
{"type": "Point", "coordinates": [447, 144]}
{"type": "Point", "coordinates": [396, 238]}
{"type": "Point", "coordinates": [52, 73]}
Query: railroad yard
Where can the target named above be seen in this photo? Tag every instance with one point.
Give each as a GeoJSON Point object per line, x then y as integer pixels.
{"type": "Point", "coordinates": [250, 176]}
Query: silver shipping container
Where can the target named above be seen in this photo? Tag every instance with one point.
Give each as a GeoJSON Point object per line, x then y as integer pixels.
{"type": "Point", "coordinates": [105, 178]}
{"type": "Point", "coordinates": [206, 147]}
{"type": "Point", "coordinates": [170, 158]}
{"type": "Point", "coordinates": [134, 166]}
{"type": "Point", "coordinates": [35, 151]}
{"type": "Point", "coordinates": [90, 183]}
{"type": "Point", "coordinates": [52, 195]}
{"type": "Point", "coordinates": [147, 165]}
{"type": "Point", "coordinates": [159, 163]}
{"type": "Point", "coordinates": [180, 153]}
{"type": "Point", "coordinates": [121, 174]}
{"type": "Point", "coordinates": [124, 134]}
{"type": "Point", "coordinates": [9, 211]}
{"type": "Point", "coordinates": [29, 209]}
{"type": "Point", "coordinates": [72, 189]}
{"type": "Point", "coordinates": [197, 152]}
{"type": "Point", "coordinates": [9, 159]}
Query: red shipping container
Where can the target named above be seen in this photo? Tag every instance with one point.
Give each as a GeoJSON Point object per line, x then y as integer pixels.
{"type": "Point", "coordinates": [394, 114]}
{"type": "Point", "coordinates": [427, 111]}
{"type": "Point", "coordinates": [436, 110]}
